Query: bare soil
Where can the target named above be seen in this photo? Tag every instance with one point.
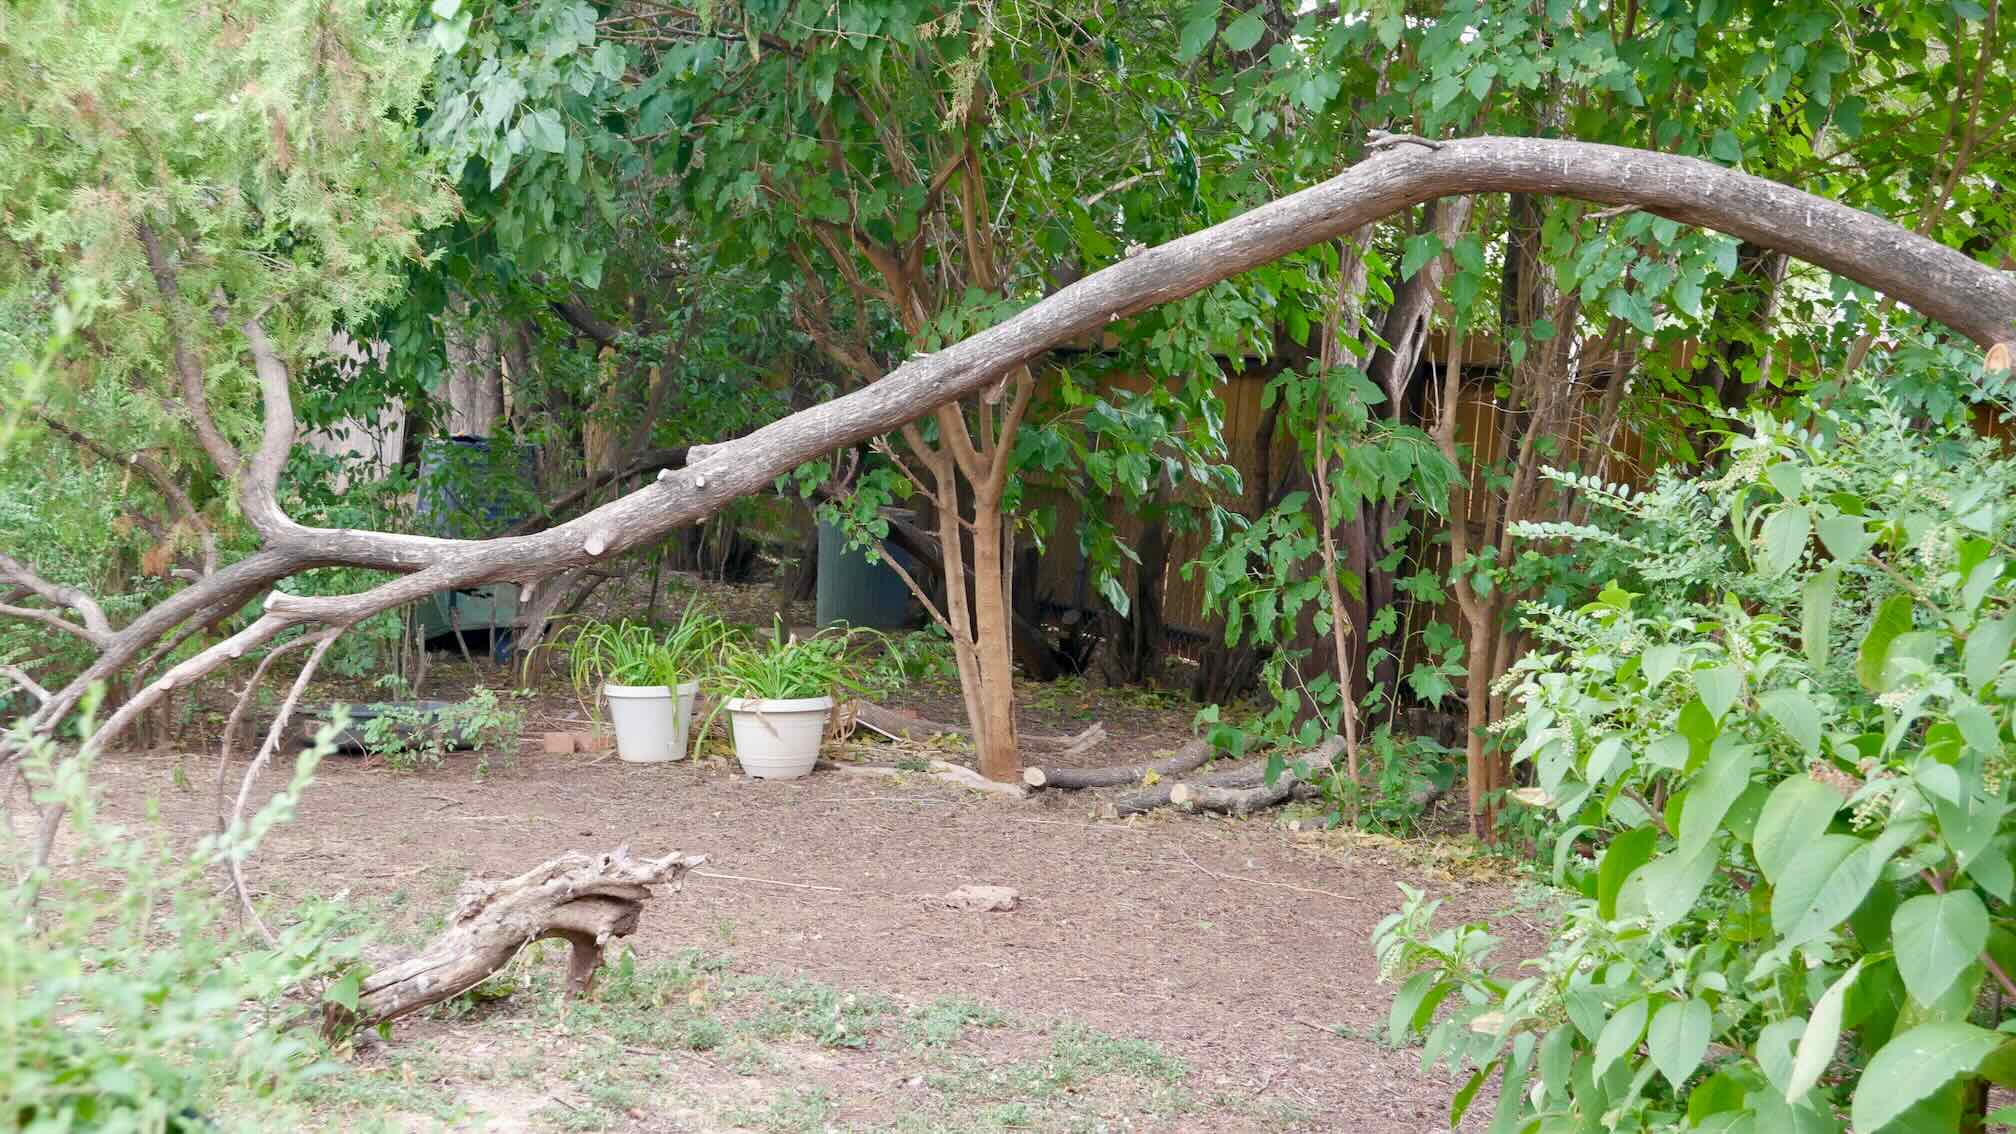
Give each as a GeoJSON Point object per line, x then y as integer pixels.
{"type": "Point", "coordinates": [1167, 973]}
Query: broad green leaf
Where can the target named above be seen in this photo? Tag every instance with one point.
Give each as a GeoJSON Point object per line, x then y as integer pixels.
{"type": "Point", "coordinates": [344, 991]}
{"type": "Point", "coordinates": [1414, 1004]}
{"type": "Point", "coordinates": [1821, 1037]}
{"type": "Point", "coordinates": [1719, 687]}
{"type": "Point", "coordinates": [1785, 538]}
{"type": "Point", "coordinates": [1774, 1050]}
{"type": "Point", "coordinates": [1620, 1035]}
{"type": "Point", "coordinates": [1842, 889]}
{"type": "Point", "coordinates": [1794, 712]}
{"type": "Point", "coordinates": [1892, 619]}
{"type": "Point", "coordinates": [1669, 751]}
{"type": "Point", "coordinates": [1793, 819]}
{"type": "Point", "coordinates": [1978, 726]}
{"type": "Point", "coordinates": [1678, 1038]}
{"type": "Point", "coordinates": [545, 130]}
{"type": "Point", "coordinates": [1460, 1104]}
{"type": "Point", "coordinates": [1936, 936]}
{"type": "Point", "coordinates": [1988, 649]}
{"type": "Point", "coordinates": [1659, 662]}
{"type": "Point", "coordinates": [1914, 1065]}
{"type": "Point", "coordinates": [1708, 800]}
{"type": "Point", "coordinates": [1245, 31]}
{"type": "Point", "coordinates": [1667, 887]}
{"type": "Point", "coordinates": [1196, 36]}
{"type": "Point", "coordinates": [1846, 537]}
{"type": "Point", "coordinates": [1816, 615]}
{"type": "Point", "coordinates": [1626, 853]}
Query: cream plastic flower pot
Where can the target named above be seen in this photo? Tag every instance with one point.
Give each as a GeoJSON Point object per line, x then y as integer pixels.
{"type": "Point", "coordinates": [777, 740]}
{"type": "Point", "coordinates": [652, 721]}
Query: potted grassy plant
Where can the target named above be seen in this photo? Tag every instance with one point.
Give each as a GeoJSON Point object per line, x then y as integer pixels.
{"type": "Point", "coordinates": [778, 693]}
{"type": "Point", "coordinates": [650, 680]}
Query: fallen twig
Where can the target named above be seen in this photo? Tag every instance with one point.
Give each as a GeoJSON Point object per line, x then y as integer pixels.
{"type": "Point", "coordinates": [1180, 849]}
{"type": "Point", "coordinates": [764, 881]}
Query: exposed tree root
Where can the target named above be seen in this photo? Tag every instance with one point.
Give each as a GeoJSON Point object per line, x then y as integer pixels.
{"type": "Point", "coordinates": [582, 899]}
{"type": "Point", "coordinates": [1188, 758]}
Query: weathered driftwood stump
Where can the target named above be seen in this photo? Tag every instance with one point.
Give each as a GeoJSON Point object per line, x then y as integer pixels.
{"type": "Point", "coordinates": [580, 898]}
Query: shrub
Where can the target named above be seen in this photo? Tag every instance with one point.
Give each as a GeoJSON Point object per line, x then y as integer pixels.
{"type": "Point", "coordinates": [1773, 761]}
{"type": "Point", "coordinates": [134, 1002]}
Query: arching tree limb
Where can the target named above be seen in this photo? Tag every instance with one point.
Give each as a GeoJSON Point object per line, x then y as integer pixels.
{"type": "Point", "coordinates": [1972, 298]}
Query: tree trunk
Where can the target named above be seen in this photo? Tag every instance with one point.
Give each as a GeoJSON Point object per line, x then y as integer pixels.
{"type": "Point", "coordinates": [475, 377]}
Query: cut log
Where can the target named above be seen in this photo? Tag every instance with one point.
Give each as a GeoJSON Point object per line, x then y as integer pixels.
{"type": "Point", "coordinates": [1235, 797]}
{"type": "Point", "coordinates": [937, 770]}
{"type": "Point", "coordinates": [1222, 791]}
{"type": "Point", "coordinates": [898, 724]}
{"type": "Point", "coordinates": [1157, 796]}
{"type": "Point", "coordinates": [579, 898]}
{"type": "Point", "coordinates": [1188, 758]}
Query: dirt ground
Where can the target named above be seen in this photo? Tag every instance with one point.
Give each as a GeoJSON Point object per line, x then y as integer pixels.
{"type": "Point", "coordinates": [1167, 973]}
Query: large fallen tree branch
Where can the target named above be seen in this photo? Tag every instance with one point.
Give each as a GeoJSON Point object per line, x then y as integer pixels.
{"type": "Point", "coordinates": [581, 899]}
{"type": "Point", "coordinates": [1972, 298]}
{"type": "Point", "coordinates": [1188, 758]}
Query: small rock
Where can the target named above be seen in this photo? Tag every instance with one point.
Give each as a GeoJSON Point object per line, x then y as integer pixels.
{"type": "Point", "coordinates": [981, 899]}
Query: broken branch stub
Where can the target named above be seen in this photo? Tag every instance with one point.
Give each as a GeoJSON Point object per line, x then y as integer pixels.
{"type": "Point", "coordinates": [582, 899]}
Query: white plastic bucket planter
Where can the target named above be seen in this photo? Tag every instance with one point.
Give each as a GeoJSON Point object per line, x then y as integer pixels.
{"type": "Point", "coordinates": [777, 740]}
{"type": "Point", "coordinates": [649, 727]}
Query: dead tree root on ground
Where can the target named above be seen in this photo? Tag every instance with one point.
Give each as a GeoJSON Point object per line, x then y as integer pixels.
{"type": "Point", "coordinates": [582, 899]}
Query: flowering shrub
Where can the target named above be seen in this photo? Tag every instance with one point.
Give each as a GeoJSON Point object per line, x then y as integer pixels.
{"type": "Point", "coordinates": [1773, 759]}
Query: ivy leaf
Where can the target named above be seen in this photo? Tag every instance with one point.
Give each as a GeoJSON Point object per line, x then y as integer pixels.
{"type": "Point", "coordinates": [1914, 1065]}
{"type": "Point", "coordinates": [1821, 1037]}
{"type": "Point", "coordinates": [1936, 937]}
{"type": "Point", "coordinates": [1892, 619]}
{"type": "Point", "coordinates": [1679, 1038]}
{"type": "Point", "coordinates": [1245, 31]}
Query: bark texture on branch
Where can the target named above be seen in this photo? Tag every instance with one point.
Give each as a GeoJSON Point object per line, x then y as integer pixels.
{"type": "Point", "coordinates": [1236, 797]}
{"type": "Point", "coordinates": [1972, 298]}
{"type": "Point", "coordinates": [1207, 792]}
{"type": "Point", "coordinates": [579, 898]}
{"type": "Point", "coordinates": [1188, 758]}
